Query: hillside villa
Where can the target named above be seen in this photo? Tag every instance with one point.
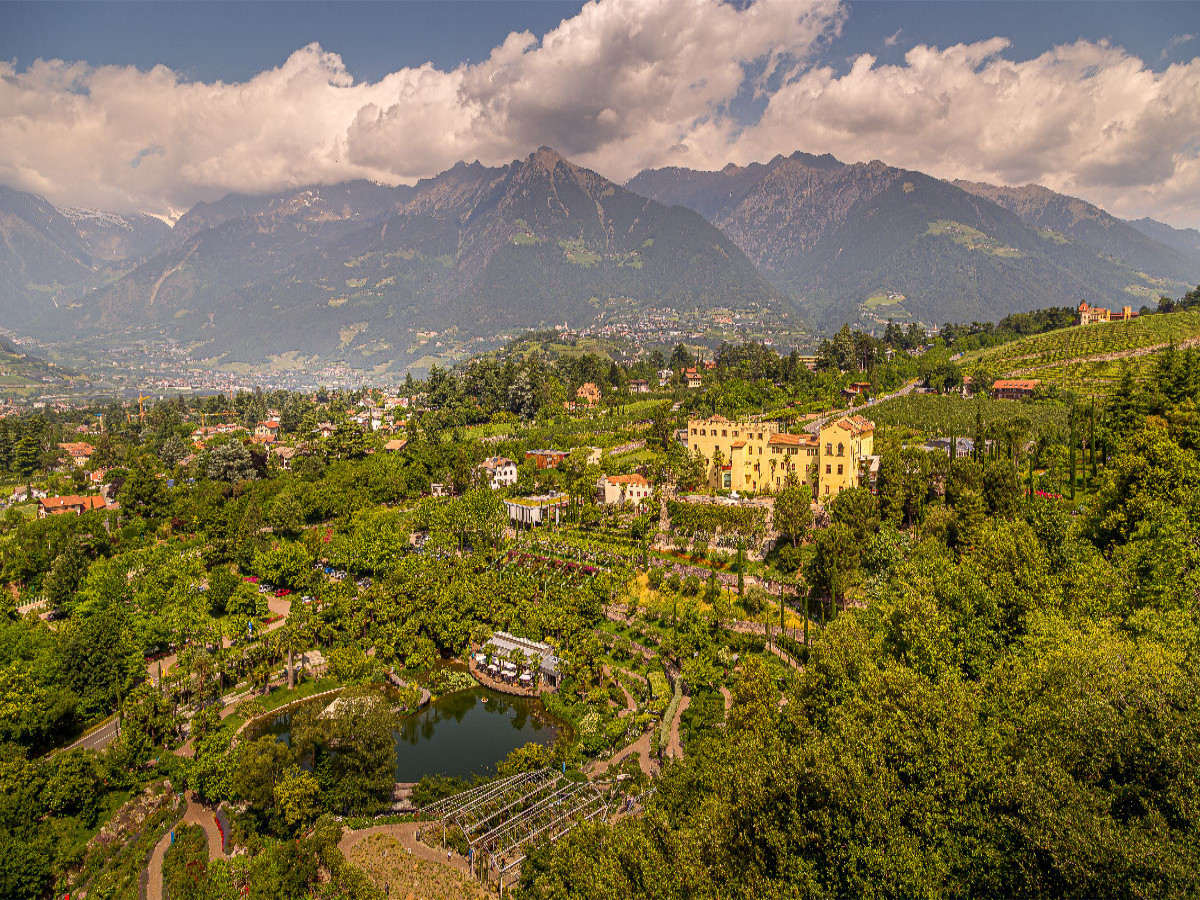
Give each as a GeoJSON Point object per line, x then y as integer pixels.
{"type": "Point", "coordinates": [756, 456]}
{"type": "Point", "coordinates": [1090, 315]}
{"type": "Point", "coordinates": [79, 452]}
{"type": "Point", "coordinates": [497, 472]}
{"type": "Point", "coordinates": [70, 505]}
{"type": "Point", "coordinates": [589, 394]}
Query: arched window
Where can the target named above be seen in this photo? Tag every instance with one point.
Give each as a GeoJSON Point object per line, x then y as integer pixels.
{"type": "Point", "coordinates": [841, 450]}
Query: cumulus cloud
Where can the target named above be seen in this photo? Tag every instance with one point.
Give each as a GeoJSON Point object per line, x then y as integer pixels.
{"type": "Point", "coordinates": [1086, 119]}
{"type": "Point", "coordinates": [622, 85]}
{"type": "Point", "coordinates": [616, 86]}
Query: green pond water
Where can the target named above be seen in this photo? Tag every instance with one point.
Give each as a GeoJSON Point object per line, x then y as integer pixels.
{"type": "Point", "coordinates": [463, 734]}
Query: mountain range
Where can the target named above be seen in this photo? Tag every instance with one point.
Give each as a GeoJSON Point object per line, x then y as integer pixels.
{"type": "Point", "coordinates": [355, 270]}
{"type": "Point", "coordinates": [872, 241]}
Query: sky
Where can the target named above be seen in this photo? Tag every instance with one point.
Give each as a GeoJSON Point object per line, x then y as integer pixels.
{"type": "Point", "coordinates": [151, 107]}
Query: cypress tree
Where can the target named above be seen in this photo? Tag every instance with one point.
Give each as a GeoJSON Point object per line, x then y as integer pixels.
{"type": "Point", "coordinates": [1072, 454]}
{"type": "Point", "coordinates": [741, 564]}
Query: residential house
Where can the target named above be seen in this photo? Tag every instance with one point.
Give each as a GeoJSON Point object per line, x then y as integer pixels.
{"type": "Point", "coordinates": [546, 459]}
{"type": "Point", "coordinates": [856, 390]}
{"type": "Point", "coordinates": [693, 377]}
{"type": "Point", "coordinates": [283, 455]}
{"type": "Point", "coordinates": [1014, 388]}
{"type": "Point", "coordinates": [664, 376]}
{"type": "Point", "coordinates": [616, 490]}
{"type": "Point", "coordinates": [267, 430]}
{"type": "Point", "coordinates": [589, 394]}
{"type": "Point", "coordinates": [498, 472]}
{"type": "Point", "coordinates": [70, 505]}
{"type": "Point", "coordinates": [79, 452]}
{"type": "Point", "coordinates": [638, 386]}
{"type": "Point", "coordinates": [395, 445]}
{"type": "Point", "coordinates": [441, 490]}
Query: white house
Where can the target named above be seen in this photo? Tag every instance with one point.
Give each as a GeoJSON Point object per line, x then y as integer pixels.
{"type": "Point", "coordinates": [498, 472]}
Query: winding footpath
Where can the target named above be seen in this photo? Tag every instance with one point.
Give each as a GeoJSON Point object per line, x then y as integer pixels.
{"type": "Point", "coordinates": [196, 814]}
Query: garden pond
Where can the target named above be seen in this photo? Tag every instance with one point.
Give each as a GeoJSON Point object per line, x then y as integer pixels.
{"type": "Point", "coordinates": [462, 734]}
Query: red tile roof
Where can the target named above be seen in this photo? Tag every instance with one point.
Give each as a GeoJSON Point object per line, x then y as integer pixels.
{"type": "Point", "coordinates": [626, 479]}
{"type": "Point", "coordinates": [1015, 384]}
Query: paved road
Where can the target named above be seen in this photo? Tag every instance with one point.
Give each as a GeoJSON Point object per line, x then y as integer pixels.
{"type": "Point", "coordinates": [101, 737]}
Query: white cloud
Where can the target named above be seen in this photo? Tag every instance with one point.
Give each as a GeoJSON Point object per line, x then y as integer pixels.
{"type": "Point", "coordinates": [1086, 119]}
{"type": "Point", "coordinates": [1176, 41]}
{"type": "Point", "coordinates": [622, 85]}
{"type": "Point", "coordinates": [615, 86]}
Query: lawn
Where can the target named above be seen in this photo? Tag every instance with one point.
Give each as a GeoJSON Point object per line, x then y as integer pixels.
{"type": "Point", "coordinates": [392, 868]}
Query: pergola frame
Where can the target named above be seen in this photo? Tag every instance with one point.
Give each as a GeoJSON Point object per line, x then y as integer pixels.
{"type": "Point", "coordinates": [501, 820]}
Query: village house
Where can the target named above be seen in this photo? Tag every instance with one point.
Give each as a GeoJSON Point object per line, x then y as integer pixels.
{"type": "Point", "coordinates": [498, 472]}
{"type": "Point", "coordinates": [79, 452]}
{"type": "Point", "coordinates": [283, 455]}
{"type": "Point", "coordinates": [589, 394]}
{"type": "Point", "coordinates": [856, 390]}
{"type": "Point", "coordinates": [616, 490]}
{"type": "Point", "coordinates": [395, 445]}
{"type": "Point", "coordinates": [638, 386]}
{"type": "Point", "coordinates": [546, 459]}
{"type": "Point", "coordinates": [70, 505]}
{"type": "Point", "coordinates": [756, 456]}
{"type": "Point", "coordinates": [1014, 388]}
{"type": "Point", "coordinates": [693, 377]}
{"type": "Point", "coordinates": [267, 430]}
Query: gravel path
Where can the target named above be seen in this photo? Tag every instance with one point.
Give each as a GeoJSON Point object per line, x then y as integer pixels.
{"type": "Point", "coordinates": [641, 746]}
{"type": "Point", "coordinates": [675, 745]}
{"type": "Point", "coordinates": [728, 698]}
{"type": "Point", "coordinates": [195, 814]}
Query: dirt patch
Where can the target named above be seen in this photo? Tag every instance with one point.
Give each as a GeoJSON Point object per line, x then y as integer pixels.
{"type": "Point", "coordinates": [389, 866]}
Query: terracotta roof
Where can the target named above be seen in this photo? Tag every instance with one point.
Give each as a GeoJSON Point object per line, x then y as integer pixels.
{"type": "Point", "coordinates": [67, 502]}
{"type": "Point", "coordinates": [626, 479]}
{"type": "Point", "coordinates": [779, 439]}
{"type": "Point", "coordinates": [736, 445]}
{"type": "Point", "coordinates": [856, 425]}
{"type": "Point", "coordinates": [396, 444]}
{"type": "Point", "coordinates": [1016, 384]}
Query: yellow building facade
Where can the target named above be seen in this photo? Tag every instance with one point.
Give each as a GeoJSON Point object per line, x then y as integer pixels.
{"type": "Point", "coordinates": [755, 456]}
